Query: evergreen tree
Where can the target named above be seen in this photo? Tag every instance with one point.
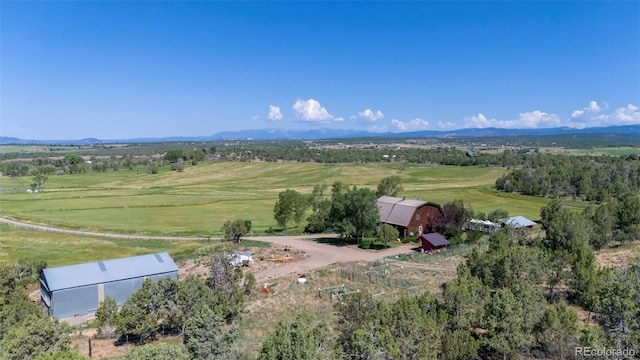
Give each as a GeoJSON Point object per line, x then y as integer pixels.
{"type": "Point", "coordinates": [205, 337]}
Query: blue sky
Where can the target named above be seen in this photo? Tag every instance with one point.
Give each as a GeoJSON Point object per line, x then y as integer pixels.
{"type": "Point", "coordinates": [114, 70]}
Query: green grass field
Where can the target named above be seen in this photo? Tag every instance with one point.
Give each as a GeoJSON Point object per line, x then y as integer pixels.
{"type": "Point", "coordinates": [64, 249]}
{"type": "Point", "coordinates": [200, 199]}
{"type": "Point", "coordinates": [612, 151]}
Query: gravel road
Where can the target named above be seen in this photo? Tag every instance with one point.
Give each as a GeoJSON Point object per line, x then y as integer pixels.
{"type": "Point", "coordinates": [318, 255]}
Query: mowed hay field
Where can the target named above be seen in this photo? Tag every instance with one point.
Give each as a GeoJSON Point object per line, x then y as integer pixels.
{"type": "Point", "coordinates": [198, 200]}
{"type": "Point", "coordinates": [66, 249]}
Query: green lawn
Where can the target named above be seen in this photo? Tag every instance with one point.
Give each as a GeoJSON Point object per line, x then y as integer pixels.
{"type": "Point", "coordinates": [200, 199]}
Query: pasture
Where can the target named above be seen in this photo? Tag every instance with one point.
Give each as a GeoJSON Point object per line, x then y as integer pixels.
{"type": "Point", "coordinates": [65, 249]}
{"type": "Point", "coordinates": [197, 201]}
{"type": "Point", "coordinates": [611, 151]}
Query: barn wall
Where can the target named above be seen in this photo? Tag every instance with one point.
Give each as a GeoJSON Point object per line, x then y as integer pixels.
{"type": "Point", "coordinates": [76, 301]}
{"type": "Point", "coordinates": [86, 299]}
{"type": "Point", "coordinates": [426, 217]}
{"type": "Point", "coordinates": [121, 290]}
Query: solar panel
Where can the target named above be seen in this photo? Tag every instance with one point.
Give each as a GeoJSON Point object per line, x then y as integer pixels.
{"type": "Point", "coordinates": [101, 265]}
{"type": "Point", "coordinates": [159, 258]}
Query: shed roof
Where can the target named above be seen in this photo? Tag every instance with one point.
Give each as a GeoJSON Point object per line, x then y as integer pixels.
{"type": "Point", "coordinates": [98, 272]}
{"type": "Point", "coordinates": [435, 239]}
{"type": "Point", "coordinates": [519, 221]}
{"type": "Point", "coordinates": [399, 211]}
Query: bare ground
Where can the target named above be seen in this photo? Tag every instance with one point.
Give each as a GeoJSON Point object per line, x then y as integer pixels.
{"type": "Point", "coordinates": [299, 255]}
{"type": "Point", "coordinates": [618, 256]}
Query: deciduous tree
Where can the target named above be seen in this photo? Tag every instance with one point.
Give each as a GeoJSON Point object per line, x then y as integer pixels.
{"type": "Point", "coordinates": [387, 234]}
{"type": "Point", "coordinates": [291, 206]}
{"type": "Point", "coordinates": [389, 186]}
{"type": "Point", "coordinates": [354, 213]}
{"type": "Point", "coordinates": [235, 230]}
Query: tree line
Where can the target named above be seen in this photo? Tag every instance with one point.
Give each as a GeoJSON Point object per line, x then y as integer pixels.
{"type": "Point", "coordinates": [588, 178]}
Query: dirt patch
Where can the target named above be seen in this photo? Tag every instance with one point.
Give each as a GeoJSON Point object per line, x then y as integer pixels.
{"type": "Point", "coordinates": [264, 260]}
{"type": "Point", "coordinates": [615, 257]}
{"type": "Point", "coordinates": [100, 348]}
{"type": "Point", "coordinates": [385, 280]}
{"type": "Point", "coordinates": [106, 348]}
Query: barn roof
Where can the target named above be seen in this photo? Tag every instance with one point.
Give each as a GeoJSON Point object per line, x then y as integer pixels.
{"type": "Point", "coordinates": [98, 272]}
{"type": "Point", "coordinates": [519, 221]}
{"type": "Point", "coordinates": [435, 239]}
{"type": "Point", "coordinates": [398, 211]}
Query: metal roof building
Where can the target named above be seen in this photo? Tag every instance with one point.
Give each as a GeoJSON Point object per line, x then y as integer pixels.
{"type": "Point", "coordinates": [519, 222]}
{"type": "Point", "coordinates": [408, 215]}
{"type": "Point", "coordinates": [433, 241]}
{"type": "Point", "coordinates": [73, 290]}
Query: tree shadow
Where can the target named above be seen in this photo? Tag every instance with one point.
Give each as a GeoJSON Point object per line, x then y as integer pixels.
{"type": "Point", "coordinates": [379, 246]}
{"type": "Point", "coordinates": [336, 241]}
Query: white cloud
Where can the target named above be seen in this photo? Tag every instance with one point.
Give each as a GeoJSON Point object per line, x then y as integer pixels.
{"type": "Point", "coordinates": [274, 113]}
{"type": "Point", "coordinates": [528, 120]}
{"type": "Point", "coordinates": [593, 108]}
{"type": "Point", "coordinates": [311, 110]}
{"type": "Point", "coordinates": [256, 117]}
{"type": "Point", "coordinates": [415, 124]}
{"type": "Point", "coordinates": [596, 115]}
{"type": "Point", "coordinates": [340, 118]}
{"type": "Point", "coordinates": [446, 125]}
{"type": "Point", "coordinates": [370, 115]}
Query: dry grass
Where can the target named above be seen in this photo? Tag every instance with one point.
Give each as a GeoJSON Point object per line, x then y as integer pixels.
{"type": "Point", "coordinates": [617, 256]}
{"type": "Point", "coordinates": [287, 297]}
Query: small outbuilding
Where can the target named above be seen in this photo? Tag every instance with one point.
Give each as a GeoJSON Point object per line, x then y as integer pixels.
{"type": "Point", "coordinates": [519, 222]}
{"type": "Point", "coordinates": [433, 242]}
{"type": "Point", "coordinates": [75, 290]}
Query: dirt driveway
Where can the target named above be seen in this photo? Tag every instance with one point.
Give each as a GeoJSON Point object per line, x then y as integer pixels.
{"type": "Point", "coordinates": [318, 255]}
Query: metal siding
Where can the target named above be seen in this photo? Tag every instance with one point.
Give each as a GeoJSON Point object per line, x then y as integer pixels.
{"type": "Point", "coordinates": [436, 239]}
{"type": "Point", "coordinates": [45, 296]}
{"type": "Point", "coordinates": [399, 211]}
{"type": "Point", "coordinates": [173, 275]}
{"type": "Point", "coordinates": [385, 211]}
{"type": "Point", "coordinates": [86, 299]}
{"type": "Point", "coordinates": [78, 301]}
{"type": "Point", "coordinates": [520, 221]}
{"type": "Point", "coordinates": [401, 215]}
{"type": "Point", "coordinates": [66, 277]}
{"type": "Point", "coordinates": [121, 290]}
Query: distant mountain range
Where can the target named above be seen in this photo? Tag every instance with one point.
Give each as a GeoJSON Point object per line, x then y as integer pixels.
{"type": "Point", "coordinates": [318, 134]}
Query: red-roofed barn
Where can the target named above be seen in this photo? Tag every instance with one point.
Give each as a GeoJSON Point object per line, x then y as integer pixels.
{"type": "Point", "coordinates": [409, 215]}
